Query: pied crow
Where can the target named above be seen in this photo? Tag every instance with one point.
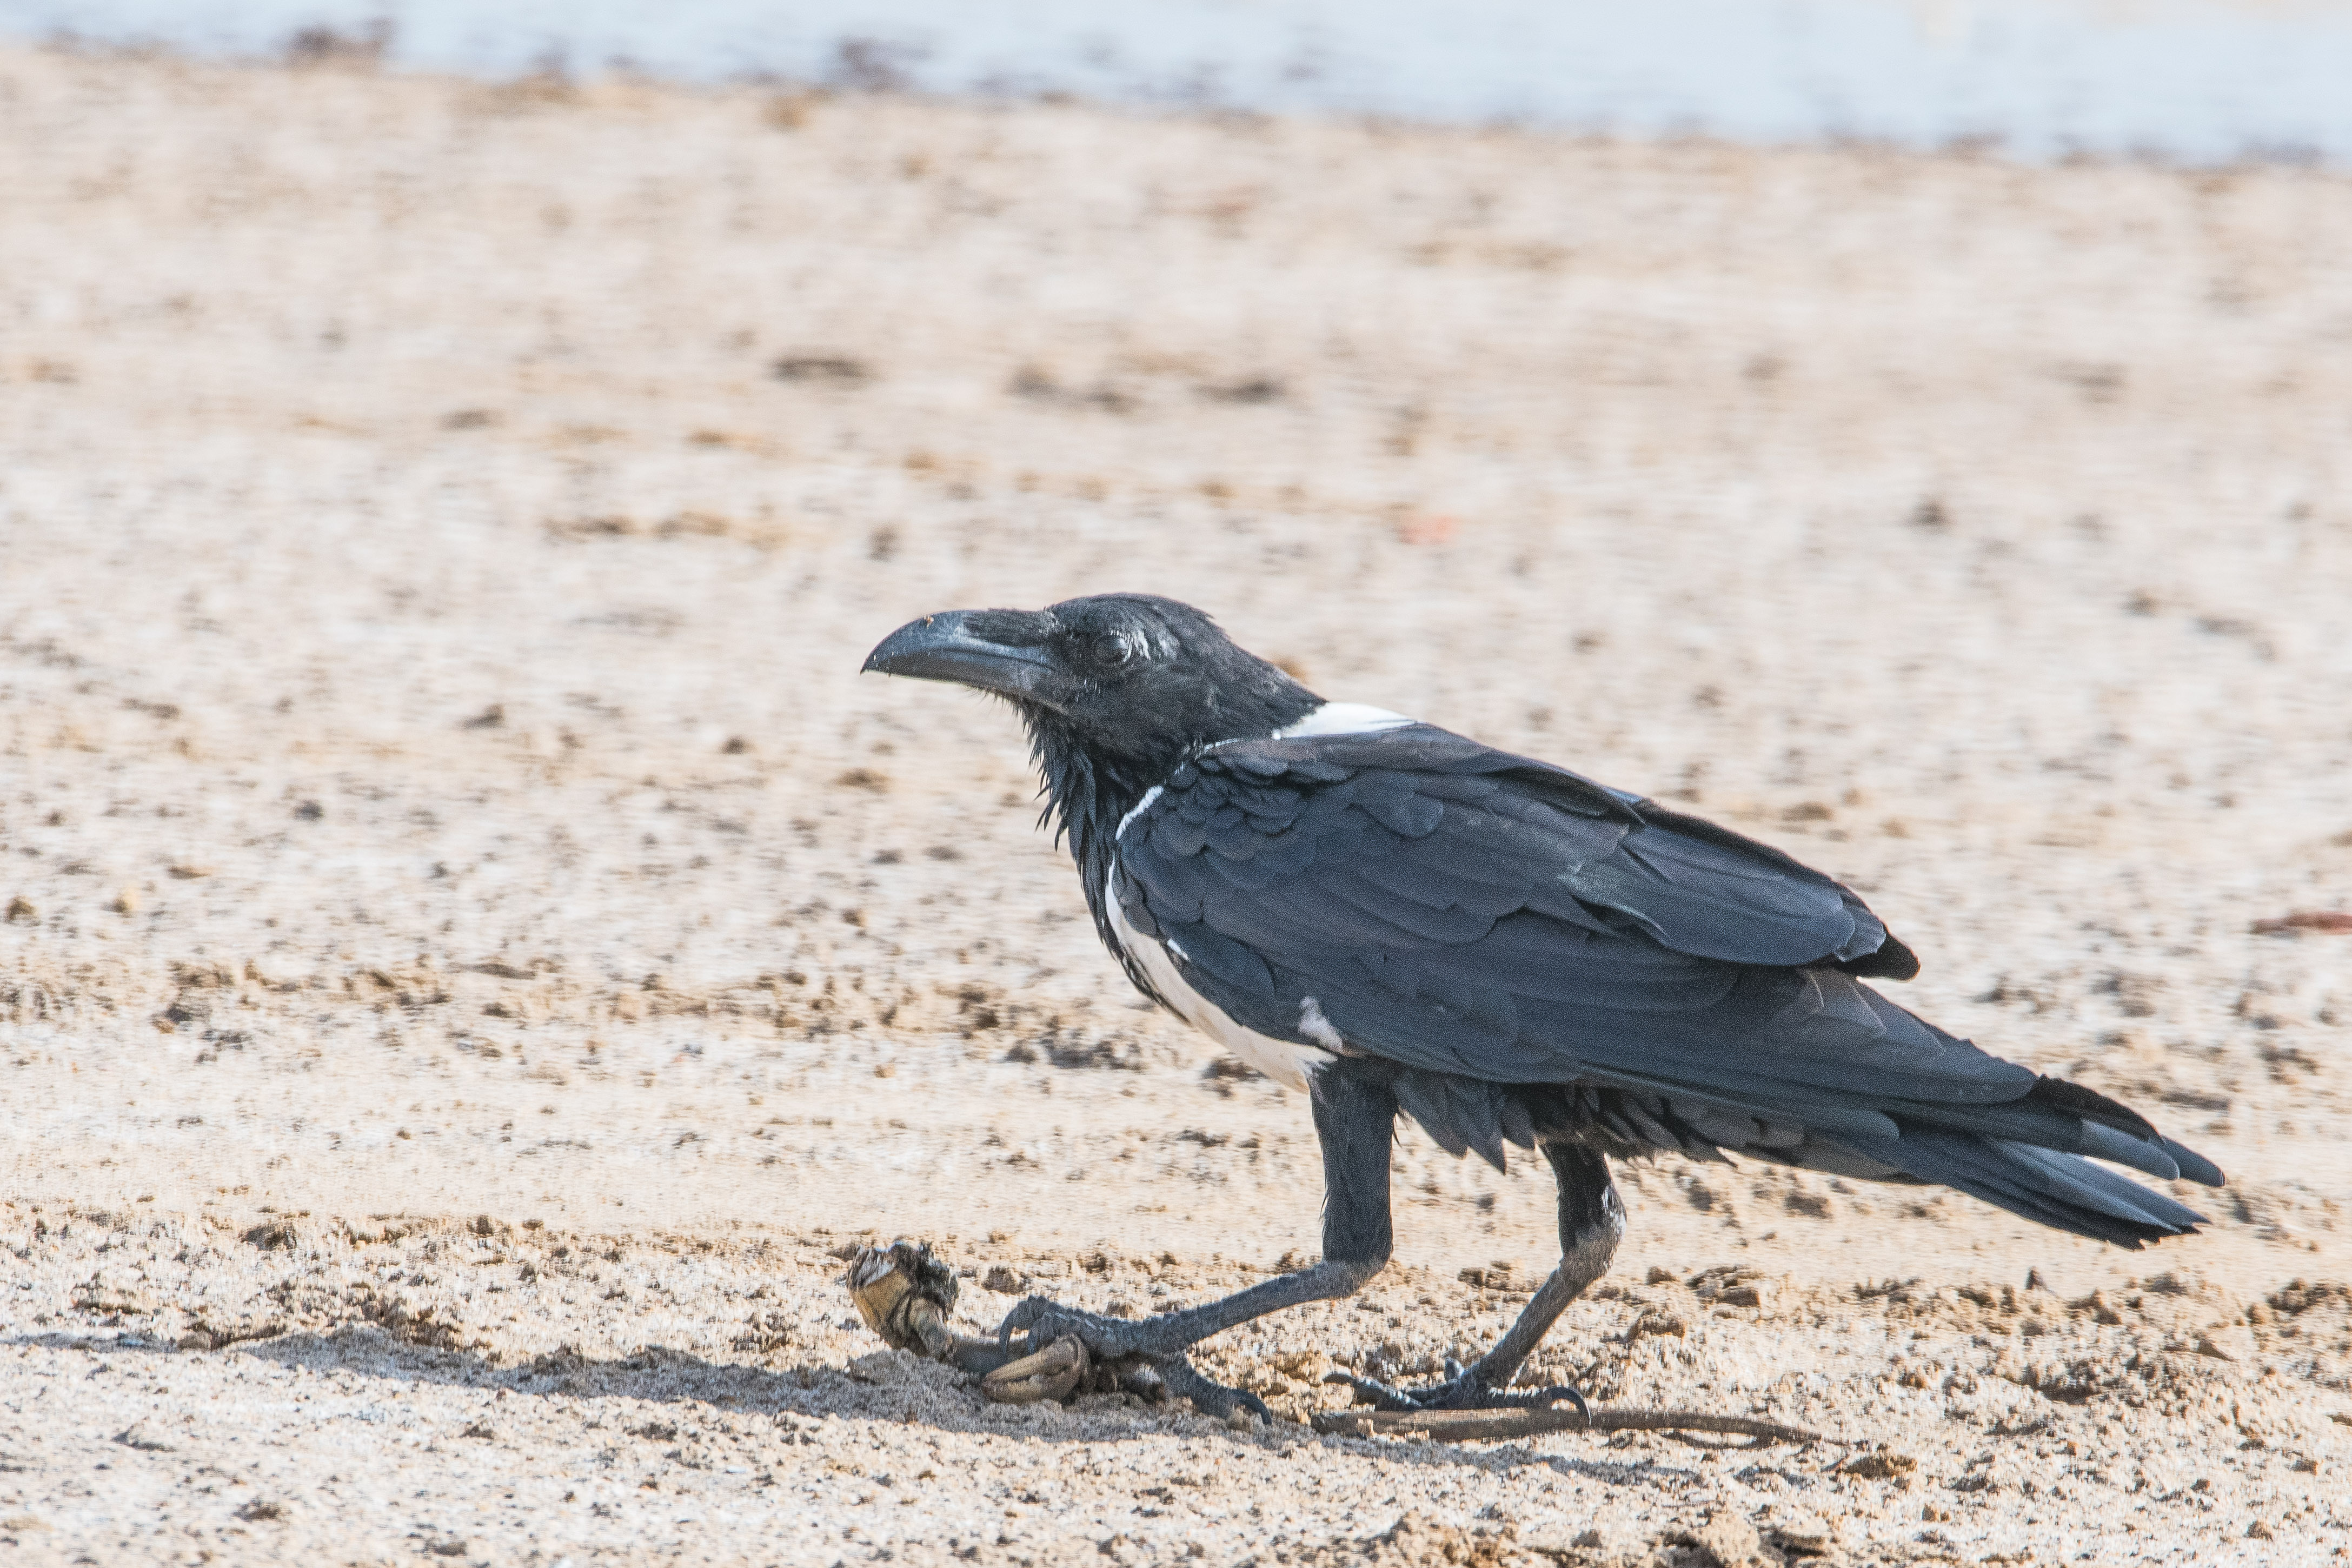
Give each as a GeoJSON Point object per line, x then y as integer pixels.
{"type": "Point", "coordinates": [1398, 920]}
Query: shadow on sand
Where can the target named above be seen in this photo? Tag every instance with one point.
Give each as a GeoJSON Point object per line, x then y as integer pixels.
{"type": "Point", "coordinates": [883, 1386]}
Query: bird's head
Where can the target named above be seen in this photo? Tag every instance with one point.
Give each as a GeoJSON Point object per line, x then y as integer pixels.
{"type": "Point", "coordinates": [1132, 680]}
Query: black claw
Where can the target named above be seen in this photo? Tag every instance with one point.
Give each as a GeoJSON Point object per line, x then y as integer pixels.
{"type": "Point", "coordinates": [1024, 1314]}
{"type": "Point", "coordinates": [1542, 1398]}
{"type": "Point", "coordinates": [1379, 1396]}
{"type": "Point", "coordinates": [1043, 1321]}
{"type": "Point", "coordinates": [1212, 1398]}
{"type": "Point", "coordinates": [1569, 1392]}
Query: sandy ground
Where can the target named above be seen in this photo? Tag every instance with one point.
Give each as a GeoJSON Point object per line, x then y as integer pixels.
{"type": "Point", "coordinates": [476, 953]}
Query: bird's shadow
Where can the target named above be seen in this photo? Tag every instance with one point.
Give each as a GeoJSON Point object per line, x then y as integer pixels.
{"type": "Point", "coordinates": [887, 1386]}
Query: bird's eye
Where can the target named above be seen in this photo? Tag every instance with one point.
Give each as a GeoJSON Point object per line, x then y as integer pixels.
{"type": "Point", "coordinates": [1113, 649]}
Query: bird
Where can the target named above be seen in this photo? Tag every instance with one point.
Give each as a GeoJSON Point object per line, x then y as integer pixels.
{"type": "Point", "coordinates": [1400, 922]}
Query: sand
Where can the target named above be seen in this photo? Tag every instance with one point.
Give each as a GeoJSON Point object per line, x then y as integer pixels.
{"type": "Point", "coordinates": [476, 955]}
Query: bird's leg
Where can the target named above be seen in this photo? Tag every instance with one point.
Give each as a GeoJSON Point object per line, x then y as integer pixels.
{"type": "Point", "coordinates": [1592, 1222]}
{"type": "Point", "coordinates": [1355, 1119]}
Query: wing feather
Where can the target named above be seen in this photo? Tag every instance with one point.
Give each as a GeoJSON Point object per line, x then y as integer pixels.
{"type": "Point", "coordinates": [1486, 921]}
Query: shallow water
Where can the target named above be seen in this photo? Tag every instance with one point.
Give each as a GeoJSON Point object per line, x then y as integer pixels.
{"type": "Point", "coordinates": [2186, 79]}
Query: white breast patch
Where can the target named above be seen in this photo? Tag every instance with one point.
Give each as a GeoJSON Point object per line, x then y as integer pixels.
{"type": "Point", "coordinates": [1285, 1062]}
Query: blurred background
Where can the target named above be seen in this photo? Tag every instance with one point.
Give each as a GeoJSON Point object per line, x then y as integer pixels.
{"type": "Point", "coordinates": [2205, 80]}
{"type": "Point", "coordinates": [454, 459]}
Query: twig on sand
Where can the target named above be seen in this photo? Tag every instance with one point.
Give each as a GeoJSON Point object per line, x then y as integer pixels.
{"type": "Point", "coordinates": [1498, 1426]}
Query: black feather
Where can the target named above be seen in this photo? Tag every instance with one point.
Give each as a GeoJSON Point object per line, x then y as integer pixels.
{"type": "Point", "coordinates": [1479, 918]}
{"type": "Point", "coordinates": [1531, 953]}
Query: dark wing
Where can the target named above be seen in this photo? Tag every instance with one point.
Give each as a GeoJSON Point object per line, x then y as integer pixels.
{"type": "Point", "coordinates": [1707, 891]}
{"type": "Point", "coordinates": [1460, 911]}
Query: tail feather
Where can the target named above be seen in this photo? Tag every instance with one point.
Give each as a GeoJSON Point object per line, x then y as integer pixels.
{"type": "Point", "coordinates": [2095, 1187]}
{"type": "Point", "coordinates": [2061, 1190]}
{"type": "Point", "coordinates": [2102, 1142]}
{"type": "Point", "coordinates": [2031, 1155]}
{"type": "Point", "coordinates": [2072, 1098]}
{"type": "Point", "coordinates": [2072, 1120]}
{"type": "Point", "coordinates": [2194, 1167]}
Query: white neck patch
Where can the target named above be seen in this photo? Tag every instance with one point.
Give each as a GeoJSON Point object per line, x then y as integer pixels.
{"type": "Point", "coordinates": [1140, 808]}
{"type": "Point", "coordinates": [1343, 718]}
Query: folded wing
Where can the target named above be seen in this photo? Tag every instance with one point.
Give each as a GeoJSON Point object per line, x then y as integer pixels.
{"type": "Point", "coordinates": [1463, 912]}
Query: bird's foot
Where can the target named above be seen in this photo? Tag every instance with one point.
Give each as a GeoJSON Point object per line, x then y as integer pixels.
{"type": "Point", "coordinates": [1043, 1319]}
{"type": "Point", "coordinates": [1131, 1343]}
{"type": "Point", "coordinates": [1233, 1406]}
{"type": "Point", "coordinates": [1462, 1390]}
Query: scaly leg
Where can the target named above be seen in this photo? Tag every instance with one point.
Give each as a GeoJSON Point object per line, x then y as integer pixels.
{"type": "Point", "coordinates": [1355, 1119]}
{"type": "Point", "coordinates": [1592, 1222]}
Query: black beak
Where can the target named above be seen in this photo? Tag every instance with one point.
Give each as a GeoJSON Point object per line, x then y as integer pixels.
{"type": "Point", "coordinates": [943, 648]}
